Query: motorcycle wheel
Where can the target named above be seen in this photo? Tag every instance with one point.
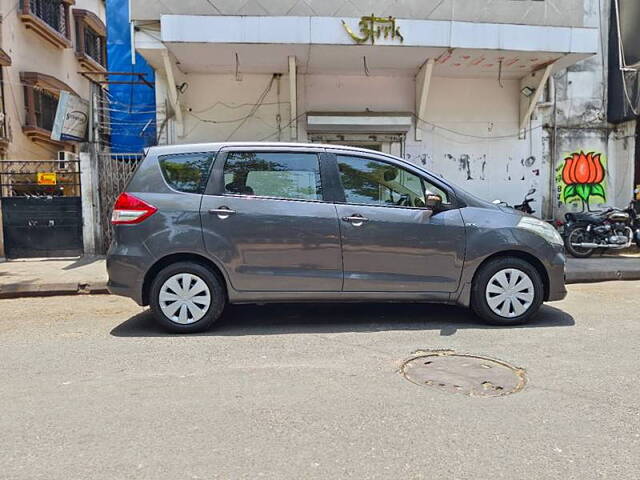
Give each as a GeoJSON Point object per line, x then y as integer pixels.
{"type": "Point", "coordinates": [577, 235]}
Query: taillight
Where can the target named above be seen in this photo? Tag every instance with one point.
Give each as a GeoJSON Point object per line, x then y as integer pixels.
{"type": "Point", "coordinates": [129, 210]}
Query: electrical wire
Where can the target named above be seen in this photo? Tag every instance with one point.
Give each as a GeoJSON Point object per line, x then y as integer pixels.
{"type": "Point", "coordinates": [263, 95]}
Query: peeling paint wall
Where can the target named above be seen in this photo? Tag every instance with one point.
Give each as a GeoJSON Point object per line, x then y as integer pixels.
{"type": "Point", "coordinates": [581, 125]}
{"type": "Point", "coordinates": [471, 129]}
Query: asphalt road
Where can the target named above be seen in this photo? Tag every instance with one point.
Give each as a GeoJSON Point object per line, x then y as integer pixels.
{"type": "Point", "coordinates": [91, 389]}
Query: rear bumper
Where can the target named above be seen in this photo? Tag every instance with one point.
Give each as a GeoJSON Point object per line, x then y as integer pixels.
{"type": "Point", "coordinates": [126, 268]}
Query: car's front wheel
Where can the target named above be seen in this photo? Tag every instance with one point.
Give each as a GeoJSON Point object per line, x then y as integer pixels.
{"type": "Point", "coordinates": [507, 291]}
{"type": "Point", "coordinates": [187, 297]}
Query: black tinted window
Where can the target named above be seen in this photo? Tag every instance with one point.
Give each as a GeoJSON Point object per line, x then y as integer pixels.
{"type": "Point", "coordinates": [186, 173]}
{"type": "Point", "coordinates": [280, 175]}
{"type": "Point", "coordinates": [372, 182]}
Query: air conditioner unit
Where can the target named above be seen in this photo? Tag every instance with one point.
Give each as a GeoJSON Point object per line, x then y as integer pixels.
{"type": "Point", "coordinates": [64, 158]}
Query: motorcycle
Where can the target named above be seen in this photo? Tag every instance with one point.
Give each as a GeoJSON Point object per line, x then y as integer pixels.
{"type": "Point", "coordinates": [525, 206]}
{"type": "Point", "coordinates": [616, 229]}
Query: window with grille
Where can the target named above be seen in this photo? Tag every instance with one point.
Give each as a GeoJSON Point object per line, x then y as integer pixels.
{"type": "Point", "coordinates": [90, 39]}
{"type": "Point", "coordinates": [52, 12]}
{"type": "Point", "coordinates": [49, 19]}
{"type": "Point", "coordinates": [45, 105]}
{"type": "Point", "coordinates": [93, 46]}
{"type": "Point", "coordinates": [41, 94]}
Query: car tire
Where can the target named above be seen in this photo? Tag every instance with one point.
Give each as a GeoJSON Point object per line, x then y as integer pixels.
{"type": "Point", "coordinates": [187, 297]}
{"type": "Point", "coordinates": [522, 298]}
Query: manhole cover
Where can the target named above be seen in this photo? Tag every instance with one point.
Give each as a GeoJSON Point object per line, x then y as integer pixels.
{"type": "Point", "coordinates": [467, 374]}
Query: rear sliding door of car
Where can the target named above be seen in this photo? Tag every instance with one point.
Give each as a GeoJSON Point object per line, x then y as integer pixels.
{"type": "Point", "coordinates": [265, 219]}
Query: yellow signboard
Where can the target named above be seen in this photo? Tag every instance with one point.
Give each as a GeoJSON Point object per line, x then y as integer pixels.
{"type": "Point", "coordinates": [372, 28]}
{"type": "Point", "coordinates": [47, 178]}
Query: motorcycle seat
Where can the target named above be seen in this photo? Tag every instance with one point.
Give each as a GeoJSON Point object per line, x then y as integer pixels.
{"type": "Point", "coordinates": [584, 217]}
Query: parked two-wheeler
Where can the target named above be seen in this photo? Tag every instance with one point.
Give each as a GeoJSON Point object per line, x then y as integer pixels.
{"type": "Point", "coordinates": [525, 206]}
{"type": "Point", "coordinates": [584, 233]}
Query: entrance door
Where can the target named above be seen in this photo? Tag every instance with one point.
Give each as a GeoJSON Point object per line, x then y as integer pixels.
{"type": "Point", "coordinates": [41, 208]}
{"type": "Point", "coordinates": [264, 217]}
{"type": "Point", "coordinates": [385, 143]}
{"type": "Point", "coordinates": [390, 241]}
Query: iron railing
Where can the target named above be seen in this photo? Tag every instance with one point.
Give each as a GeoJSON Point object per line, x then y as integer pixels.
{"type": "Point", "coordinates": [39, 178]}
{"type": "Point", "coordinates": [114, 172]}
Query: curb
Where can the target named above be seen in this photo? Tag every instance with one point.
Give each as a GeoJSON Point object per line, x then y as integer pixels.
{"type": "Point", "coordinates": [602, 276]}
{"type": "Point", "coordinates": [20, 290]}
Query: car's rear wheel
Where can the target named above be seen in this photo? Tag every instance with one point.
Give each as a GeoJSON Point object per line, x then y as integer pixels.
{"type": "Point", "coordinates": [187, 297]}
{"type": "Point", "coordinates": [507, 291]}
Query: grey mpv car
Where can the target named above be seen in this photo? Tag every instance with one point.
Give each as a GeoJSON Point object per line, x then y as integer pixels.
{"type": "Point", "coordinates": [200, 226]}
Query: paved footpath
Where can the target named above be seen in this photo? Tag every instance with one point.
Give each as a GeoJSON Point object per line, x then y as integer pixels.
{"type": "Point", "coordinates": [42, 277]}
{"type": "Point", "coordinates": [90, 388]}
{"type": "Point", "coordinates": [45, 276]}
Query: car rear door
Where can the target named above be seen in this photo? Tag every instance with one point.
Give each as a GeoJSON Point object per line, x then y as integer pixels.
{"type": "Point", "coordinates": [264, 217]}
{"type": "Point", "coordinates": [390, 241]}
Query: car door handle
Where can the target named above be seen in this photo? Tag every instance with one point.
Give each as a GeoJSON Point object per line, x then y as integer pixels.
{"type": "Point", "coordinates": [355, 220]}
{"type": "Point", "coordinates": [222, 212]}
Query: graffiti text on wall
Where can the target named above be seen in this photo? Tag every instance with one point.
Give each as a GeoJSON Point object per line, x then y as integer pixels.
{"type": "Point", "coordinates": [581, 178]}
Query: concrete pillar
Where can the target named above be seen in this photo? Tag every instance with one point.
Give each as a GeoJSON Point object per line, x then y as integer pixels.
{"type": "Point", "coordinates": [90, 203]}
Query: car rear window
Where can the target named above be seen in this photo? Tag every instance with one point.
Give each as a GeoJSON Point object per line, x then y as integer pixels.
{"type": "Point", "coordinates": [186, 172]}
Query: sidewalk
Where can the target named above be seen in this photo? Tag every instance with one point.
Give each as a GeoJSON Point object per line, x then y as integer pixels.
{"type": "Point", "coordinates": [606, 267]}
{"type": "Point", "coordinates": [45, 276]}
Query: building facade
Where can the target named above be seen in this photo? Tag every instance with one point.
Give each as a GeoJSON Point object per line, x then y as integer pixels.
{"type": "Point", "coordinates": [45, 45]}
{"type": "Point", "coordinates": [495, 95]}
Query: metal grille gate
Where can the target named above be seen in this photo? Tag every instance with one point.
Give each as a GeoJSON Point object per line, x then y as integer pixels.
{"type": "Point", "coordinates": [114, 171]}
{"type": "Point", "coordinates": [41, 208]}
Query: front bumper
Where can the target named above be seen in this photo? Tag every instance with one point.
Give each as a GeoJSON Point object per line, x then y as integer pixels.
{"type": "Point", "coordinates": [556, 269]}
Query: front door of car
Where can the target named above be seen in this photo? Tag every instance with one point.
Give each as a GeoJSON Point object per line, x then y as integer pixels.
{"type": "Point", "coordinates": [390, 240]}
{"type": "Point", "coordinates": [265, 219]}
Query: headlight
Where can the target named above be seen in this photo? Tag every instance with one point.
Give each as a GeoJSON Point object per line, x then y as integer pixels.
{"type": "Point", "coordinates": [541, 228]}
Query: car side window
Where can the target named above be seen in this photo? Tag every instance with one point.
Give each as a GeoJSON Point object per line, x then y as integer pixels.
{"type": "Point", "coordinates": [280, 175]}
{"type": "Point", "coordinates": [372, 182]}
{"type": "Point", "coordinates": [186, 172]}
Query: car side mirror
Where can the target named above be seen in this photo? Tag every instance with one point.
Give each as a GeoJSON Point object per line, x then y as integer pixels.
{"type": "Point", "coordinates": [433, 202]}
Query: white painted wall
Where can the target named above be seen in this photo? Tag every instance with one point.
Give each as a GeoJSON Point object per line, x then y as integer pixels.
{"type": "Point", "coordinates": [480, 109]}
